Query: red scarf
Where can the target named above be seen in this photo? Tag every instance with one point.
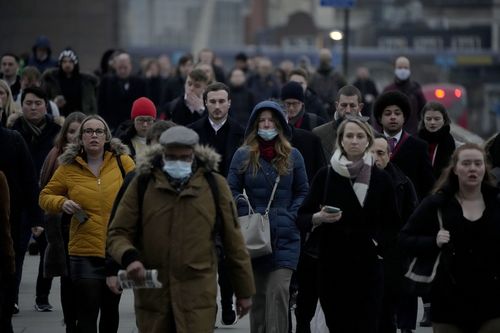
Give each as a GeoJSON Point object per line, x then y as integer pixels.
{"type": "Point", "coordinates": [267, 150]}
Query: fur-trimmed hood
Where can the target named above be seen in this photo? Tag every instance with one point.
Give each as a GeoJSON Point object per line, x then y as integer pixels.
{"type": "Point", "coordinates": [206, 158]}
{"type": "Point", "coordinates": [73, 149]}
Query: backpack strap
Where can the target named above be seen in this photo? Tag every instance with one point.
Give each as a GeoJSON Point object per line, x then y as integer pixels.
{"type": "Point", "coordinates": [218, 213]}
{"type": "Point", "coordinates": [120, 165]}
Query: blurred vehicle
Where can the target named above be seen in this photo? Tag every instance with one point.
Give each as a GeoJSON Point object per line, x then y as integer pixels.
{"type": "Point", "coordinates": [452, 96]}
{"type": "Point", "coordinates": [454, 99]}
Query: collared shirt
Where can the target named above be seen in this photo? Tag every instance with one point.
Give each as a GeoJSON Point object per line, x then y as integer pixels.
{"type": "Point", "coordinates": [217, 126]}
{"type": "Point", "coordinates": [397, 136]}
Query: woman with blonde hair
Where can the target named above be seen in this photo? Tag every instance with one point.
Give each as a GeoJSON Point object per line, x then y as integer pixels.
{"type": "Point", "coordinates": [85, 185]}
{"type": "Point", "coordinates": [7, 104]}
{"type": "Point", "coordinates": [352, 203]}
{"type": "Point", "coordinates": [267, 161]}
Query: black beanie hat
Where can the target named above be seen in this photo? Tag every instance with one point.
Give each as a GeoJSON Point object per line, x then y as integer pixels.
{"type": "Point", "coordinates": [292, 90]}
{"type": "Point", "coordinates": [391, 98]}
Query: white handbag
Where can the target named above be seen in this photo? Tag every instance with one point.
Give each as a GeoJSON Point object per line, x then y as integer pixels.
{"type": "Point", "coordinates": [255, 227]}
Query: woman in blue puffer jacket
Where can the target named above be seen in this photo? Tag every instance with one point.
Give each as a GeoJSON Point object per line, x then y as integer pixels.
{"type": "Point", "coordinates": [265, 155]}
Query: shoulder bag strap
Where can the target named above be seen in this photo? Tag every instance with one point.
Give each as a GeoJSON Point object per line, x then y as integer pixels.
{"type": "Point", "coordinates": [440, 219]}
{"type": "Point", "coordinates": [272, 194]}
{"type": "Point", "coordinates": [327, 183]}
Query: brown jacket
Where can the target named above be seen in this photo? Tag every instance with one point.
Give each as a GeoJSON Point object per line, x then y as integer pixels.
{"type": "Point", "coordinates": [176, 238]}
{"type": "Point", "coordinates": [6, 246]}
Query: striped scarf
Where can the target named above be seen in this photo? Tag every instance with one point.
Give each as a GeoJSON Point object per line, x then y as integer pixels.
{"type": "Point", "coordinates": [358, 172]}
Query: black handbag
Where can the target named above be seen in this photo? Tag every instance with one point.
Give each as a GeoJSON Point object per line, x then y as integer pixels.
{"type": "Point", "coordinates": [422, 270]}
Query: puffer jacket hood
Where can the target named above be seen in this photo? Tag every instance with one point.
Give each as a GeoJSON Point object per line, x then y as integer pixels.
{"type": "Point", "coordinates": [206, 158]}
{"type": "Point", "coordinates": [273, 107]}
{"type": "Point", "coordinates": [73, 149]}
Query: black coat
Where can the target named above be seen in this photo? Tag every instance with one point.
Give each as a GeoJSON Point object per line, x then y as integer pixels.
{"type": "Point", "coordinates": [412, 157]}
{"type": "Point", "coordinates": [174, 88]}
{"type": "Point", "coordinates": [233, 139]}
{"type": "Point", "coordinates": [178, 112]}
{"type": "Point", "coordinates": [350, 272]}
{"type": "Point", "coordinates": [467, 284]}
{"type": "Point", "coordinates": [115, 102]}
{"type": "Point", "coordinates": [309, 121]}
{"type": "Point", "coordinates": [17, 165]}
{"type": "Point", "coordinates": [445, 147]}
{"type": "Point", "coordinates": [242, 103]}
{"type": "Point", "coordinates": [369, 93]}
{"type": "Point", "coordinates": [40, 146]}
{"type": "Point", "coordinates": [313, 104]}
{"type": "Point", "coordinates": [309, 145]}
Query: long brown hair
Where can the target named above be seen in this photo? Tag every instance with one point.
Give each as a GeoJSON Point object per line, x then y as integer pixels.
{"type": "Point", "coordinates": [448, 182]}
{"type": "Point", "coordinates": [61, 141]}
{"type": "Point", "coordinates": [283, 148]}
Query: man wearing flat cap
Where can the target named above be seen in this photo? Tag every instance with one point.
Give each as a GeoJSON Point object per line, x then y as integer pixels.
{"type": "Point", "coordinates": [391, 111]}
{"type": "Point", "coordinates": [174, 231]}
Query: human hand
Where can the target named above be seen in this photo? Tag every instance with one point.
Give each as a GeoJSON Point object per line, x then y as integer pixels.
{"type": "Point", "coordinates": [113, 284]}
{"type": "Point", "coordinates": [243, 305]}
{"type": "Point", "coordinates": [60, 101]}
{"type": "Point", "coordinates": [36, 231]}
{"type": "Point", "coordinates": [136, 272]}
{"type": "Point", "coordinates": [324, 217]}
{"type": "Point", "coordinates": [194, 102]}
{"type": "Point", "coordinates": [70, 207]}
{"type": "Point", "coordinates": [443, 237]}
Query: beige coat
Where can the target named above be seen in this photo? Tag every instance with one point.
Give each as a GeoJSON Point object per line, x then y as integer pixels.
{"type": "Point", "coordinates": [176, 238]}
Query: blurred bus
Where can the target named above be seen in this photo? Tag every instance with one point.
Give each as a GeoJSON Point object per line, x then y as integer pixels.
{"type": "Point", "coordinates": [452, 96]}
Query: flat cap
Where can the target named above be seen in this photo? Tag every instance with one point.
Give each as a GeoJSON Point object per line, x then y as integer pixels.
{"type": "Point", "coordinates": [179, 136]}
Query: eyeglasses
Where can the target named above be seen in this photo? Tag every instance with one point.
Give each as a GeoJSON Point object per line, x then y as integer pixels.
{"type": "Point", "coordinates": [90, 132]}
{"type": "Point", "coordinates": [144, 120]}
{"type": "Point", "coordinates": [292, 104]}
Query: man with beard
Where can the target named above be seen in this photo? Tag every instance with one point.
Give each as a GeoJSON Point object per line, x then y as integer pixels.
{"type": "Point", "coordinates": [348, 103]}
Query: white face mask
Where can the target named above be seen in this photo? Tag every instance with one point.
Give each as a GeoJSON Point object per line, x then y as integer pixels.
{"type": "Point", "coordinates": [267, 135]}
{"type": "Point", "coordinates": [402, 73]}
{"type": "Point", "coordinates": [177, 169]}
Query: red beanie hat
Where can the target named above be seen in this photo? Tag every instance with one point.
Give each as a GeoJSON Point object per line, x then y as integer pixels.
{"type": "Point", "coordinates": [143, 106]}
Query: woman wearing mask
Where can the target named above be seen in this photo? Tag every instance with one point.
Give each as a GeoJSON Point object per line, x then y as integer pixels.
{"type": "Point", "coordinates": [466, 289]}
{"type": "Point", "coordinates": [85, 184]}
{"type": "Point", "coordinates": [56, 261]}
{"type": "Point", "coordinates": [435, 130]}
{"type": "Point", "coordinates": [353, 202]}
{"type": "Point", "coordinates": [265, 158]}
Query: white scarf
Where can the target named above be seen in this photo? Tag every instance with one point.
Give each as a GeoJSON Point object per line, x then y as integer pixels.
{"type": "Point", "coordinates": [340, 165]}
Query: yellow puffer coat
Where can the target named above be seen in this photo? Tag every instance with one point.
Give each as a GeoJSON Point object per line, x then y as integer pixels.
{"type": "Point", "coordinates": [73, 180]}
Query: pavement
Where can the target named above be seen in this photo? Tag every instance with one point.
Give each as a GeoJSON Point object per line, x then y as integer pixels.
{"type": "Point", "coordinates": [30, 321]}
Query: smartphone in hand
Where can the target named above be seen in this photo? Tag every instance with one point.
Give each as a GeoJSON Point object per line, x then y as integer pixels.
{"type": "Point", "coordinates": [81, 216]}
{"type": "Point", "coordinates": [331, 209]}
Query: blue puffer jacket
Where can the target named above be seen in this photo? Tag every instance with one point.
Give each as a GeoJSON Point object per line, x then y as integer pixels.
{"type": "Point", "coordinates": [291, 191]}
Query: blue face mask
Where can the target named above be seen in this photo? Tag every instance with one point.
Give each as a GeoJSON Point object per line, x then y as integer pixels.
{"type": "Point", "coordinates": [267, 135]}
{"type": "Point", "coordinates": [177, 169]}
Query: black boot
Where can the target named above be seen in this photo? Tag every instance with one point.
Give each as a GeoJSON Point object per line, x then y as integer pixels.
{"type": "Point", "coordinates": [426, 318]}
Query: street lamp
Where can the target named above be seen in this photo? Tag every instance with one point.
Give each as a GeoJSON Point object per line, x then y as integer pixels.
{"type": "Point", "coordinates": [336, 35]}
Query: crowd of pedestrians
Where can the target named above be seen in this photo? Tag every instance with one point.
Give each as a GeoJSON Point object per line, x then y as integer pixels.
{"type": "Point", "coordinates": [151, 168]}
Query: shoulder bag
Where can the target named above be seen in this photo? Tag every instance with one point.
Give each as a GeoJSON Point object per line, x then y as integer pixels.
{"type": "Point", "coordinates": [422, 270]}
{"type": "Point", "coordinates": [256, 228]}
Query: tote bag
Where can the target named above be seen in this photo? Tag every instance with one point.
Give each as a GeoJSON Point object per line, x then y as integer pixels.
{"type": "Point", "coordinates": [422, 270]}
{"type": "Point", "coordinates": [256, 228]}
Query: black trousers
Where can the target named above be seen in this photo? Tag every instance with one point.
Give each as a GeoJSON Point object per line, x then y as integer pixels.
{"type": "Point", "coordinates": [43, 285]}
{"type": "Point", "coordinates": [93, 296]}
{"type": "Point", "coordinates": [226, 289]}
{"type": "Point", "coordinates": [307, 297]}
{"type": "Point", "coordinates": [6, 304]}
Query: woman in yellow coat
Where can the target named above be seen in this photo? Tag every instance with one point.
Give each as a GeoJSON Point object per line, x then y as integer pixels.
{"type": "Point", "coordinates": [85, 185]}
